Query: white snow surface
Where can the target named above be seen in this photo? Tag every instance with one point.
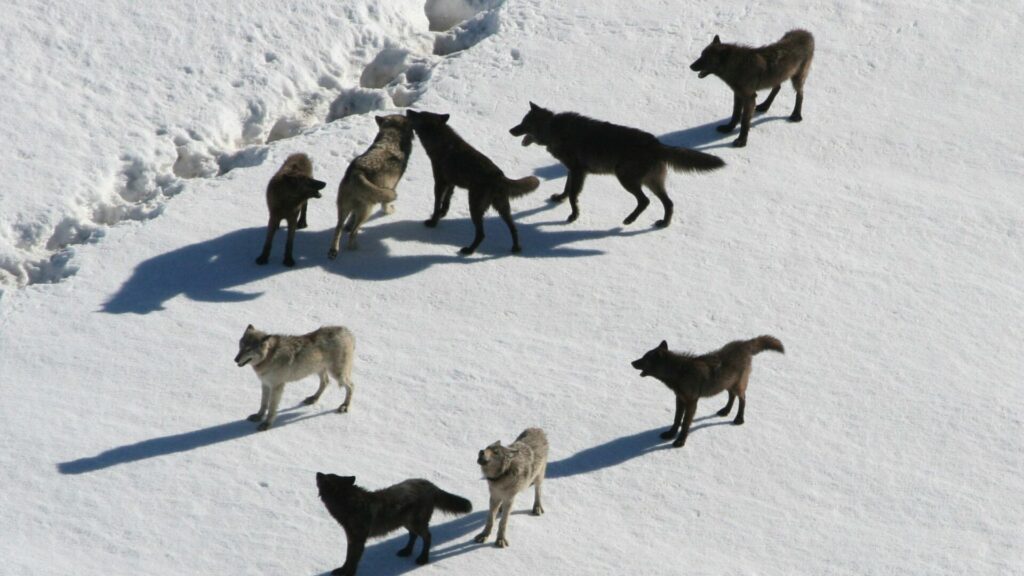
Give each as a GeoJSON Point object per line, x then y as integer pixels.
{"type": "Point", "coordinates": [881, 239]}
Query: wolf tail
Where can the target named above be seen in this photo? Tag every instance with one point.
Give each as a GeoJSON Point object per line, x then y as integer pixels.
{"type": "Point", "coordinates": [516, 188]}
{"type": "Point", "coordinates": [451, 503]}
{"type": "Point", "coordinates": [378, 193]}
{"type": "Point", "coordinates": [766, 343]}
{"type": "Point", "coordinates": [690, 160]}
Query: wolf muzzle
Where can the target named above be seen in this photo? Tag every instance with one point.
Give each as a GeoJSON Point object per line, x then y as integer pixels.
{"type": "Point", "coordinates": [520, 130]}
{"type": "Point", "coordinates": [240, 362]}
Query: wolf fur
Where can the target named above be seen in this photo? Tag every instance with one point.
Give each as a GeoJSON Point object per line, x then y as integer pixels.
{"type": "Point", "coordinates": [364, 514]}
{"type": "Point", "coordinates": [510, 470]}
{"type": "Point", "coordinates": [693, 377]}
{"type": "Point", "coordinates": [747, 70]}
{"type": "Point", "coordinates": [287, 193]}
{"type": "Point", "coordinates": [278, 359]}
{"type": "Point", "coordinates": [588, 146]}
{"type": "Point", "coordinates": [456, 163]}
{"type": "Point", "coordinates": [371, 179]}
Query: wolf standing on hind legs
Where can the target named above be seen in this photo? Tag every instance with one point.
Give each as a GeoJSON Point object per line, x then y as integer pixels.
{"type": "Point", "coordinates": [510, 470]}
{"type": "Point", "coordinates": [278, 359]}
{"type": "Point", "coordinates": [747, 70]}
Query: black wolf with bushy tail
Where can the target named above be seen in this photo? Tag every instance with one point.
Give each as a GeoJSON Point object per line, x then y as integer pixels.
{"type": "Point", "coordinates": [695, 377]}
{"type": "Point", "coordinates": [747, 70]}
{"type": "Point", "coordinates": [456, 163]}
{"type": "Point", "coordinates": [588, 146]}
{"type": "Point", "coordinates": [364, 514]}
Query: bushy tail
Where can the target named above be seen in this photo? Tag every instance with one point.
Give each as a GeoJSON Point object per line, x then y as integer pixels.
{"type": "Point", "coordinates": [766, 343]}
{"type": "Point", "coordinates": [516, 188]}
{"type": "Point", "coordinates": [378, 193]}
{"type": "Point", "coordinates": [451, 503]}
{"type": "Point", "coordinates": [690, 160]}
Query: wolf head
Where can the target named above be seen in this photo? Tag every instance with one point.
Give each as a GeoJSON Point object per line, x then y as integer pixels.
{"type": "Point", "coordinates": [652, 360]}
{"type": "Point", "coordinates": [252, 347]}
{"type": "Point", "coordinates": [394, 123]}
{"type": "Point", "coordinates": [534, 126]}
{"type": "Point", "coordinates": [711, 59]}
{"type": "Point", "coordinates": [303, 188]}
{"type": "Point", "coordinates": [425, 120]}
{"type": "Point", "coordinates": [495, 459]}
{"type": "Point", "coordinates": [330, 484]}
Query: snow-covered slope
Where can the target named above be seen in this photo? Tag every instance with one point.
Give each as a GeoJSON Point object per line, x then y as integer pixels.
{"type": "Point", "coordinates": [880, 240]}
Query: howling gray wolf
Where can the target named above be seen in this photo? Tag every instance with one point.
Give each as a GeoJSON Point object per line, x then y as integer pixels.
{"type": "Point", "coordinates": [364, 514]}
{"type": "Point", "coordinates": [588, 146]}
{"type": "Point", "coordinates": [456, 163]}
{"type": "Point", "coordinates": [371, 178]}
{"type": "Point", "coordinates": [287, 193]}
{"type": "Point", "coordinates": [510, 471]}
{"type": "Point", "coordinates": [693, 377]}
{"type": "Point", "coordinates": [747, 70]}
{"type": "Point", "coordinates": [278, 359]}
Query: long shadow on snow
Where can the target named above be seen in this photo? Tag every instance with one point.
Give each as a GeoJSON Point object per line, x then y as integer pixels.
{"type": "Point", "coordinates": [381, 558]}
{"type": "Point", "coordinates": [175, 443]}
{"type": "Point", "coordinates": [704, 137]}
{"type": "Point", "coordinates": [213, 270]}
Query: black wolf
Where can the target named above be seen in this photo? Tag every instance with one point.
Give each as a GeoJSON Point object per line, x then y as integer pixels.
{"type": "Point", "coordinates": [456, 163]}
{"type": "Point", "coordinates": [588, 146]}
{"type": "Point", "coordinates": [287, 193]}
{"type": "Point", "coordinates": [364, 514]}
{"type": "Point", "coordinates": [693, 377]}
{"type": "Point", "coordinates": [747, 70]}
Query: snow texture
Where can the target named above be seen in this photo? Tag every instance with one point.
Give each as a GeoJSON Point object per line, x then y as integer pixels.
{"type": "Point", "coordinates": [881, 239]}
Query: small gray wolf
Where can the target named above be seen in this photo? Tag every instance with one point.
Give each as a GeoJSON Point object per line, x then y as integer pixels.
{"type": "Point", "coordinates": [278, 359]}
{"type": "Point", "coordinates": [510, 470]}
{"type": "Point", "coordinates": [747, 70]}
{"type": "Point", "coordinates": [588, 146]}
{"type": "Point", "coordinates": [371, 178]}
{"type": "Point", "coordinates": [287, 193]}
{"type": "Point", "coordinates": [456, 163]}
{"type": "Point", "coordinates": [693, 377]}
{"type": "Point", "coordinates": [364, 514]}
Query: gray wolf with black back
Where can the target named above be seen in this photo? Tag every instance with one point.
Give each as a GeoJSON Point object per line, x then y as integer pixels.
{"type": "Point", "coordinates": [287, 193]}
{"type": "Point", "coordinates": [510, 470]}
{"type": "Point", "coordinates": [693, 377]}
{"type": "Point", "coordinates": [371, 178]}
{"type": "Point", "coordinates": [588, 146]}
{"type": "Point", "coordinates": [364, 514]}
{"type": "Point", "coordinates": [278, 359]}
{"type": "Point", "coordinates": [747, 70]}
{"type": "Point", "coordinates": [456, 163]}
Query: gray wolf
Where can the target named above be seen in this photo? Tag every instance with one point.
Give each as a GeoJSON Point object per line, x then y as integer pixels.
{"type": "Point", "coordinates": [371, 178]}
{"type": "Point", "coordinates": [364, 514]}
{"type": "Point", "coordinates": [510, 470]}
{"type": "Point", "coordinates": [588, 146]}
{"type": "Point", "coordinates": [693, 377]}
{"type": "Point", "coordinates": [287, 193]}
{"type": "Point", "coordinates": [456, 163]}
{"type": "Point", "coordinates": [747, 70]}
{"type": "Point", "coordinates": [278, 359]}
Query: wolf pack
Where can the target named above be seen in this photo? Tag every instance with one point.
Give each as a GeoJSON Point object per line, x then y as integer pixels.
{"type": "Point", "coordinates": [584, 146]}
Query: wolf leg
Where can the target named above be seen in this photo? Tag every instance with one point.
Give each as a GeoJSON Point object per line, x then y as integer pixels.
{"type": "Point", "coordinates": [680, 408]}
{"type": "Point", "coordinates": [748, 113]}
{"type": "Point", "coordinates": [798, 85]}
{"type": "Point", "coordinates": [350, 388]}
{"type": "Point", "coordinates": [446, 202]}
{"type": "Point", "coordinates": [506, 511]}
{"type": "Point", "coordinates": [288, 260]}
{"type": "Point", "coordinates": [495, 505]}
{"type": "Point", "coordinates": [353, 553]}
{"type": "Point", "coordinates": [477, 207]}
{"type": "Point", "coordinates": [275, 400]}
{"type": "Point", "coordinates": [538, 508]}
{"type": "Point", "coordinates": [797, 115]}
{"type": "Point", "coordinates": [302, 217]}
{"type": "Point", "coordinates": [440, 191]}
{"type": "Point", "coordinates": [691, 408]}
{"type": "Point", "coordinates": [728, 405]}
{"type": "Point", "coordinates": [323, 386]}
{"type": "Point", "coordinates": [764, 106]}
{"type": "Point", "coordinates": [343, 216]}
{"type": "Point", "coordinates": [657, 186]}
{"type": "Point", "coordinates": [505, 211]}
{"type": "Point", "coordinates": [407, 551]}
{"type": "Point", "coordinates": [272, 227]}
{"type": "Point", "coordinates": [424, 556]}
{"type": "Point", "coordinates": [360, 215]}
{"type": "Point", "coordinates": [264, 402]}
{"type": "Point", "coordinates": [631, 183]}
{"type": "Point", "coordinates": [737, 106]}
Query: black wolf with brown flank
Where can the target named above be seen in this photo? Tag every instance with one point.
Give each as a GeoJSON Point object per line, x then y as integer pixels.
{"type": "Point", "coordinates": [456, 163]}
{"type": "Point", "coordinates": [287, 193]}
{"type": "Point", "coordinates": [747, 70]}
{"type": "Point", "coordinates": [588, 146]}
{"type": "Point", "coordinates": [364, 514]}
{"type": "Point", "coordinates": [694, 377]}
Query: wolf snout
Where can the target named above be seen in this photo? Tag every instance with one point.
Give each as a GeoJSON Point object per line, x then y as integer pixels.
{"type": "Point", "coordinates": [480, 458]}
{"type": "Point", "coordinates": [517, 130]}
{"type": "Point", "coordinates": [240, 362]}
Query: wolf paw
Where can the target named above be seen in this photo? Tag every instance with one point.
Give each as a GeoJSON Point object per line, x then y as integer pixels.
{"type": "Point", "coordinates": [262, 260]}
{"type": "Point", "coordinates": [301, 225]}
{"type": "Point", "coordinates": [557, 198]}
{"type": "Point", "coordinates": [467, 250]}
{"type": "Point", "coordinates": [796, 118]}
{"type": "Point", "coordinates": [739, 143]}
{"type": "Point", "coordinates": [332, 253]}
{"type": "Point", "coordinates": [430, 223]}
{"type": "Point", "coordinates": [572, 217]}
{"type": "Point", "coordinates": [725, 128]}
{"type": "Point", "coordinates": [388, 208]}
{"type": "Point", "coordinates": [668, 434]}
{"type": "Point", "coordinates": [422, 560]}
{"type": "Point", "coordinates": [663, 223]}
{"type": "Point", "coordinates": [737, 422]}
{"type": "Point", "coordinates": [517, 249]}
{"type": "Point", "coordinates": [481, 537]}
{"type": "Point", "coordinates": [538, 510]}
{"type": "Point", "coordinates": [501, 543]}
{"type": "Point", "coordinates": [289, 262]}
{"type": "Point", "coordinates": [264, 427]}
{"type": "Point", "coordinates": [723, 412]}
{"type": "Point", "coordinates": [679, 443]}
{"type": "Point", "coordinates": [310, 400]}
{"type": "Point", "coordinates": [343, 409]}
{"type": "Point", "coordinates": [404, 552]}
{"type": "Point", "coordinates": [255, 417]}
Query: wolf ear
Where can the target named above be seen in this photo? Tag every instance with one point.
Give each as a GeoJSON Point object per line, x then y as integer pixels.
{"type": "Point", "coordinates": [348, 480]}
{"type": "Point", "coordinates": [534, 106]}
{"type": "Point", "coordinates": [379, 120]}
{"type": "Point", "coordinates": [663, 347]}
{"type": "Point", "coordinates": [443, 118]}
{"type": "Point", "coordinates": [249, 328]}
{"type": "Point", "coordinates": [716, 40]}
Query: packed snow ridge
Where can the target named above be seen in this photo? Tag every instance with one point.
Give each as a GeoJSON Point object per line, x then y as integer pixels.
{"type": "Point", "coordinates": [277, 82]}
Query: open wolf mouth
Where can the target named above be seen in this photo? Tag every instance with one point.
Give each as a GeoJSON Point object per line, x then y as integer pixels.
{"type": "Point", "coordinates": [702, 73]}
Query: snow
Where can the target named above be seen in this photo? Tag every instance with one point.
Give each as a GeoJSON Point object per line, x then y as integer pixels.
{"type": "Point", "coordinates": [881, 239]}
